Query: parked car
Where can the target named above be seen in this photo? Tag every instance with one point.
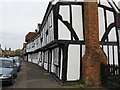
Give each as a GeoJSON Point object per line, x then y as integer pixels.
{"type": "Point", "coordinates": [18, 62]}
{"type": "Point", "coordinates": [8, 70]}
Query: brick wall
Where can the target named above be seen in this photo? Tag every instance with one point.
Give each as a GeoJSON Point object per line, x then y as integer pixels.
{"type": "Point", "coordinates": [94, 55]}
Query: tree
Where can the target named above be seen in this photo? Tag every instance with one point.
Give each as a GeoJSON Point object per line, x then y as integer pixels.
{"type": "Point", "coordinates": [18, 52]}
{"type": "Point", "coordinates": [1, 55]}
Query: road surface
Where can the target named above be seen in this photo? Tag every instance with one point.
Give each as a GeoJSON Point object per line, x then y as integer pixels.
{"type": "Point", "coordinates": [33, 76]}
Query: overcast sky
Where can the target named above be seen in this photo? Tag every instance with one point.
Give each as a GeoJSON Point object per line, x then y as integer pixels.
{"type": "Point", "coordinates": [17, 18]}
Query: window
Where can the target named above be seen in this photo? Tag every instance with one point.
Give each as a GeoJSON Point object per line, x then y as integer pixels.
{"type": "Point", "coordinates": [37, 41]}
{"type": "Point", "coordinates": [46, 56]}
{"type": "Point", "coordinates": [50, 18]}
{"type": "Point", "coordinates": [33, 44]}
{"type": "Point", "coordinates": [6, 64]}
{"type": "Point", "coordinates": [40, 57]}
{"type": "Point", "coordinates": [47, 32]}
{"type": "Point", "coordinates": [56, 56]}
{"type": "Point", "coordinates": [41, 39]}
{"type": "Point", "coordinates": [36, 56]}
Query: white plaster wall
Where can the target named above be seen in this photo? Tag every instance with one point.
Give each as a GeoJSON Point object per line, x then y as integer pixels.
{"type": "Point", "coordinates": [112, 35]}
{"type": "Point", "coordinates": [105, 3]}
{"type": "Point", "coordinates": [30, 47]}
{"type": "Point", "coordinates": [35, 60]}
{"type": "Point", "coordinates": [38, 46]}
{"type": "Point", "coordinates": [27, 48]}
{"type": "Point", "coordinates": [43, 42]}
{"type": "Point", "coordinates": [73, 69]}
{"type": "Point", "coordinates": [77, 22]}
{"type": "Point", "coordinates": [49, 38]}
{"type": "Point", "coordinates": [39, 42]}
{"type": "Point", "coordinates": [63, 32]}
{"type": "Point", "coordinates": [57, 73]}
{"type": "Point", "coordinates": [34, 45]}
{"type": "Point", "coordinates": [105, 50]}
{"type": "Point", "coordinates": [110, 55]}
{"type": "Point", "coordinates": [52, 28]}
{"type": "Point", "coordinates": [52, 66]}
{"type": "Point", "coordinates": [42, 55]}
{"type": "Point", "coordinates": [110, 18]}
{"type": "Point", "coordinates": [46, 27]}
{"type": "Point", "coordinates": [40, 64]}
{"type": "Point", "coordinates": [61, 63]}
{"type": "Point", "coordinates": [101, 22]}
{"type": "Point", "coordinates": [29, 58]}
{"type": "Point", "coordinates": [39, 57]}
{"type": "Point", "coordinates": [83, 50]}
{"type": "Point", "coordinates": [64, 12]}
{"type": "Point", "coordinates": [56, 56]}
{"type": "Point", "coordinates": [46, 56]}
{"type": "Point", "coordinates": [45, 66]}
{"type": "Point", "coordinates": [25, 58]}
{"type": "Point", "coordinates": [46, 60]}
{"type": "Point", "coordinates": [116, 55]}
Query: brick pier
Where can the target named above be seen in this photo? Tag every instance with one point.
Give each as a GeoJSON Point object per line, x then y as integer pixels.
{"type": "Point", "coordinates": [94, 55]}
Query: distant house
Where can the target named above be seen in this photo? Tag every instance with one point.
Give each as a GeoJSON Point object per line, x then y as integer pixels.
{"type": "Point", "coordinates": [28, 39]}
{"type": "Point", "coordinates": [8, 52]}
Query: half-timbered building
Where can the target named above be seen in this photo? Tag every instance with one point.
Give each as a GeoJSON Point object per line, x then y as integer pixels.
{"type": "Point", "coordinates": [59, 46]}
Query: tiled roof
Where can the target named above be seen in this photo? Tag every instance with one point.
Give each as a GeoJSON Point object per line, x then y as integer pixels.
{"type": "Point", "coordinates": [30, 36]}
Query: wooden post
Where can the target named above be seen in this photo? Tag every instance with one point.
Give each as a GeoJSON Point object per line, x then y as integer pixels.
{"type": "Point", "coordinates": [94, 55]}
{"type": "Point", "coordinates": [118, 20]}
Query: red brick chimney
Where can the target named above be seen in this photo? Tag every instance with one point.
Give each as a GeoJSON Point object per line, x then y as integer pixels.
{"type": "Point", "coordinates": [94, 55]}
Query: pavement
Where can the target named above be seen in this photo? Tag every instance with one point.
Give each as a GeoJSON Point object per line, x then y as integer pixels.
{"type": "Point", "coordinates": [33, 76]}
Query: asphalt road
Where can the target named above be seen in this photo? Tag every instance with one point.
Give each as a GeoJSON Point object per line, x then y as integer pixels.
{"type": "Point", "coordinates": [33, 76]}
